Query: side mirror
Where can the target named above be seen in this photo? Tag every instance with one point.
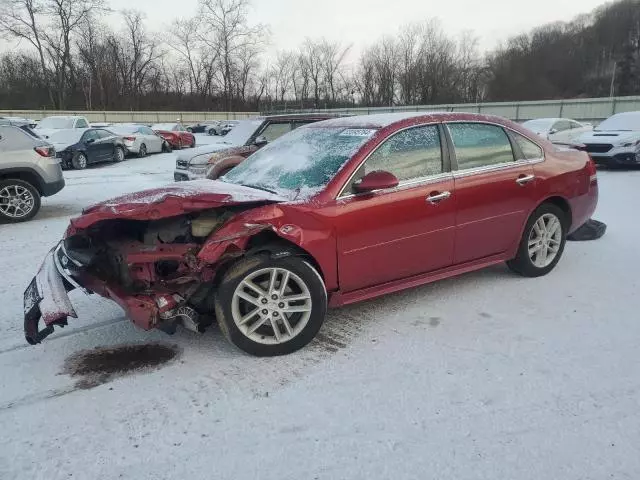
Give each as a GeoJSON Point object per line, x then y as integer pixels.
{"type": "Point", "coordinates": [260, 141]}
{"type": "Point", "coordinates": [89, 140]}
{"type": "Point", "coordinates": [553, 131]}
{"type": "Point", "coordinates": [377, 180]}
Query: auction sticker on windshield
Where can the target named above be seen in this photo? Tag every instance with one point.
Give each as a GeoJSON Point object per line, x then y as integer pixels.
{"type": "Point", "coordinates": [357, 132]}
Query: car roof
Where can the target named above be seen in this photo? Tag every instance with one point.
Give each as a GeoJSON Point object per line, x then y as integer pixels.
{"type": "Point", "coordinates": [300, 116]}
{"type": "Point", "coordinates": [382, 120]}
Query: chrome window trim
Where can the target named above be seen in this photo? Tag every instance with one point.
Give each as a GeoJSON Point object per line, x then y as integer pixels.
{"type": "Point", "coordinates": [488, 122]}
{"type": "Point", "coordinates": [498, 166]}
{"type": "Point", "coordinates": [404, 185]}
{"type": "Point", "coordinates": [341, 194]}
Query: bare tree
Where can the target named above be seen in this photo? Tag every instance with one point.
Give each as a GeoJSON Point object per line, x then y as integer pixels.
{"type": "Point", "coordinates": [23, 20]}
{"type": "Point", "coordinates": [332, 57]}
{"type": "Point", "coordinates": [66, 17]}
{"type": "Point", "coordinates": [185, 38]}
{"type": "Point", "coordinates": [229, 34]}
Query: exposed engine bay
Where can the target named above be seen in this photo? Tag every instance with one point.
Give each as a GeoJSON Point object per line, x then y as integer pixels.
{"type": "Point", "coordinates": [152, 266]}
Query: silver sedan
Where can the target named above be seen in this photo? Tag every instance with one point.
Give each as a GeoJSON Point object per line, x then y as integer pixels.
{"type": "Point", "coordinates": [140, 139]}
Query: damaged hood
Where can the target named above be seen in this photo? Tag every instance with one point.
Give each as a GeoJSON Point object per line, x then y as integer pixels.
{"type": "Point", "coordinates": [175, 199]}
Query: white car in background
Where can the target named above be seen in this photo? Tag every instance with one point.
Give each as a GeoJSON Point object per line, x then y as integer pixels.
{"type": "Point", "coordinates": [558, 130]}
{"type": "Point", "coordinates": [49, 125]}
{"type": "Point", "coordinates": [140, 139]}
{"type": "Point", "coordinates": [616, 141]}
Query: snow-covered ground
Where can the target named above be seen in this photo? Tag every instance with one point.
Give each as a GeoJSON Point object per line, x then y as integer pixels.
{"type": "Point", "coordinates": [485, 376]}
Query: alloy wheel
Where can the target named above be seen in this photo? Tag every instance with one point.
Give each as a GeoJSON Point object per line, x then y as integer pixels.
{"type": "Point", "coordinates": [16, 201]}
{"type": "Point", "coordinates": [271, 306]}
{"type": "Point", "coordinates": [545, 240]}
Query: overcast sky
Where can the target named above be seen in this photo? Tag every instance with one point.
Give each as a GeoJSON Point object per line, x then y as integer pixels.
{"type": "Point", "coordinates": [361, 22]}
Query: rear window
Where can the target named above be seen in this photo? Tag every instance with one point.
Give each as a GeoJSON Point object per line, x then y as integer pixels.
{"type": "Point", "coordinates": [13, 138]}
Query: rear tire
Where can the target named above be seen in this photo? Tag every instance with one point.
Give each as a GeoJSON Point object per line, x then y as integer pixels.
{"type": "Point", "coordinates": [79, 161]}
{"type": "Point", "coordinates": [293, 297]}
{"type": "Point", "coordinates": [542, 243]}
{"type": "Point", "coordinates": [19, 201]}
{"type": "Point", "coordinates": [118, 155]}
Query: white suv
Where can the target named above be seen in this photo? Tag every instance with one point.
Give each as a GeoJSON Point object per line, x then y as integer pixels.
{"type": "Point", "coordinates": [49, 125]}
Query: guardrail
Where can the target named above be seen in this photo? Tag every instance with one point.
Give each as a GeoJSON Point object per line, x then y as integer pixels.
{"type": "Point", "coordinates": [584, 109]}
{"type": "Point", "coordinates": [130, 116]}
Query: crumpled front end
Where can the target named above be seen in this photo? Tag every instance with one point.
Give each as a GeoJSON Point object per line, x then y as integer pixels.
{"type": "Point", "coordinates": [159, 271]}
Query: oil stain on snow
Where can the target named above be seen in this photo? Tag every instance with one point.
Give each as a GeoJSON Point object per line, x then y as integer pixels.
{"type": "Point", "coordinates": [100, 365]}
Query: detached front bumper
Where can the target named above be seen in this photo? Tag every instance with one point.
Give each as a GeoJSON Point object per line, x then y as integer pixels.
{"type": "Point", "coordinates": [47, 298]}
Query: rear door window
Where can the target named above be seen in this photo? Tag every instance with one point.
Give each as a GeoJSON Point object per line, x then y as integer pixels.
{"type": "Point", "coordinates": [530, 151]}
{"type": "Point", "coordinates": [480, 145]}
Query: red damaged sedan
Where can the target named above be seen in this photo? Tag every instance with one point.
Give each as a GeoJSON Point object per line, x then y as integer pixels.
{"type": "Point", "coordinates": [330, 214]}
{"type": "Point", "coordinates": [175, 134]}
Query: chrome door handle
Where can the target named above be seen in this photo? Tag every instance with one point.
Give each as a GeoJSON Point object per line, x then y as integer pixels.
{"type": "Point", "coordinates": [522, 181]}
{"type": "Point", "coordinates": [433, 199]}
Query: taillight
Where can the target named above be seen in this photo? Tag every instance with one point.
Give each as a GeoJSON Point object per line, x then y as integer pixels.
{"type": "Point", "coordinates": [45, 151]}
{"type": "Point", "coordinates": [129, 139]}
{"type": "Point", "coordinates": [592, 171]}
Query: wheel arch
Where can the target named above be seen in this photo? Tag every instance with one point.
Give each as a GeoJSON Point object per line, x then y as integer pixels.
{"type": "Point", "coordinates": [563, 204]}
{"type": "Point", "coordinates": [24, 174]}
{"type": "Point", "coordinates": [270, 242]}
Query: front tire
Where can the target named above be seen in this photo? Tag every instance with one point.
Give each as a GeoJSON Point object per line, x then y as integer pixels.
{"type": "Point", "coordinates": [542, 243]}
{"type": "Point", "coordinates": [142, 151]}
{"type": "Point", "coordinates": [268, 307]}
{"type": "Point", "coordinates": [79, 161]}
{"type": "Point", "coordinates": [19, 201]}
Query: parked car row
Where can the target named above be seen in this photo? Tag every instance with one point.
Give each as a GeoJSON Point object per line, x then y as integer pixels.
{"type": "Point", "coordinates": [614, 142]}
{"type": "Point", "coordinates": [248, 136]}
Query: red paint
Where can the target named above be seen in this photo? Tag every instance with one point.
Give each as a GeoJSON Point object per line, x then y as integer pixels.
{"type": "Point", "coordinates": [177, 139]}
{"type": "Point", "coordinates": [364, 245]}
{"type": "Point", "coordinates": [377, 180]}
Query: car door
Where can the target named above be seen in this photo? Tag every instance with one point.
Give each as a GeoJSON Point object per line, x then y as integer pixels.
{"type": "Point", "coordinates": [92, 146]}
{"type": "Point", "coordinates": [562, 129]}
{"type": "Point", "coordinates": [106, 144]}
{"type": "Point", "coordinates": [401, 232]}
{"type": "Point", "coordinates": [495, 189]}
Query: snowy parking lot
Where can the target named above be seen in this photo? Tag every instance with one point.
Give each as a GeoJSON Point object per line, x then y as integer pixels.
{"type": "Point", "coordinates": [484, 376]}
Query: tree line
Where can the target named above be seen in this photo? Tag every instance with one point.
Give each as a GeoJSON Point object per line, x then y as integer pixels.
{"type": "Point", "coordinates": [70, 59]}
